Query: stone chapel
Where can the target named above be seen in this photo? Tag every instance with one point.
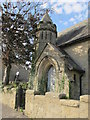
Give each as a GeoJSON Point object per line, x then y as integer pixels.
{"type": "Point", "coordinates": [63, 59]}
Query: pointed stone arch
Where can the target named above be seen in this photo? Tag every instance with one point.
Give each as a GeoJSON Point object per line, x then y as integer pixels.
{"type": "Point", "coordinates": [42, 70]}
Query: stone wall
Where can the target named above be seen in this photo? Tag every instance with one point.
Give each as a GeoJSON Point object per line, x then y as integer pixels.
{"type": "Point", "coordinates": [51, 56]}
{"type": "Point", "coordinates": [49, 106]}
{"type": "Point", "coordinates": [79, 53]}
{"type": "Point", "coordinates": [8, 97]}
{"type": "Point", "coordinates": [23, 73]}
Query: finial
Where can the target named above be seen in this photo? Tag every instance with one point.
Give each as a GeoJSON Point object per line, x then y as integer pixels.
{"type": "Point", "coordinates": [47, 11]}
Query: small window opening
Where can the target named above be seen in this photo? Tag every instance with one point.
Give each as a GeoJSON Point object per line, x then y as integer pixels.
{"type": "Point", "coordinates": [74, 77]}
{"type": "Point", "coordinates": [42, 35]}
{"type": "Point", "coordinates": [45, 35]}
{"type": "Point", "coordinates": [50, 37]}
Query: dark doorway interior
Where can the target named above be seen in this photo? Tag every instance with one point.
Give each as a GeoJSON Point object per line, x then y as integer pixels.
{"type": "Point", "coordinates": [20, 98]}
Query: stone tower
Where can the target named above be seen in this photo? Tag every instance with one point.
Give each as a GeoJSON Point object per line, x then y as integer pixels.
{"type": "Point", "coordinates": [46, 33]}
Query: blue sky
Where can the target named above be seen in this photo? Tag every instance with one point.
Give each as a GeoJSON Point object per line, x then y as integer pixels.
{"type": "Point", "coordinates": [65, 13]}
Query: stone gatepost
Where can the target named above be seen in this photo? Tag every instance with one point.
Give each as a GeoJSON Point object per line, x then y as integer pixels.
{"type": "Point", "coordinates": [29, 102]}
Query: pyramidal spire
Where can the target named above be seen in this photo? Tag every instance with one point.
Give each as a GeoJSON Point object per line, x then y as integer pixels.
{"type": "Point", "coordinates": [46, 17]}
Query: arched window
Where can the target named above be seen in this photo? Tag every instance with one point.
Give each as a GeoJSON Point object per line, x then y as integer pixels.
{"type": "Point", "coordinates": [74, 78]}
{"type": "Point", "coordinates": [46, 35]}
{"type": "Point", "coordinates": [42, 35]}
{"type": "Point", "coordinates": [50, 37]}
{"type": "Point", "coordinates": [51, 79]}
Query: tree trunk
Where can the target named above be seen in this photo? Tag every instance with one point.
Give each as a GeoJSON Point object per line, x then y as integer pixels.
{"type": "Point", "coordinates": [6, 75]}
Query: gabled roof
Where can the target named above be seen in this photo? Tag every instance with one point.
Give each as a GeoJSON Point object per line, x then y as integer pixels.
{"type": "Point", "coordinates": [73, 34]}
{"type": "Point", "coordinates": [72, 65]}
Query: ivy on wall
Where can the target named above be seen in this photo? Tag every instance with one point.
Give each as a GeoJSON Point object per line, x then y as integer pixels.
{"type": "Point", "coordinates": [31, 80]}
{"type": "Point", "coordinates": [42, 85]}
{"type": "Point", "coordinates": [62, 84]}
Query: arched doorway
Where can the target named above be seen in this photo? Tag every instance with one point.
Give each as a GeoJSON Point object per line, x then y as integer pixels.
{"type": "Point", "coordinates": [47, 74]}
{"type": "Point", "coordinates": [51, 79]}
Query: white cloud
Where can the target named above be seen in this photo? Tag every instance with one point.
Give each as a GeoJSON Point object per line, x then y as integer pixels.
{"type": "Point", "coordinates": [87, 13]}
{"type": "Point", "coordinates": [77, 8]}
{"type": "Point", "coordinates": [69, 1]}
{"type": "Point", "coordinates": [59, 11]}
{"type": "Point", "coordinates": [72, 20]}
{"type": "Point", "coordinates": [78, 11]}
{"type": "Point", "coordinates": [51, 1]}
{"type": "Point", "coordinates": [65, 23]}
{"type": "Point", "coordinates": [60, 21]}
{"type": "Point", "coordinates": [57, 8]}
{"type": "Point", "coordinates": [44, 5]}
{"type": "Point", "coordinates": [67, 8]}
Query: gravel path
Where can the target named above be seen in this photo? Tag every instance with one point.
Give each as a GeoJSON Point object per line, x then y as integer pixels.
{"type": "Point", "coordinates": [8, 112]}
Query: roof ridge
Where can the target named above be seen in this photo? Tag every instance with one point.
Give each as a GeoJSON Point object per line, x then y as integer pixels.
{"type": "Point", "coordinates": [74, 33]}
{"type": "Point", "coordinates": [70, 60]}
{"type": "Point", "coordinates": [82, 23]}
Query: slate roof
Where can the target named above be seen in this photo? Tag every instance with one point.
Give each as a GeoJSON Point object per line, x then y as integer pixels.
{"type": "Point", "coordinates": [72, 65]}
{"type": "Point", "coordinates": [71, 34]}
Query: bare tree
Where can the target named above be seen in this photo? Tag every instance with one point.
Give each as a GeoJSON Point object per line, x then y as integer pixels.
{"type": "Point", "coordinates": [19, 25]}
